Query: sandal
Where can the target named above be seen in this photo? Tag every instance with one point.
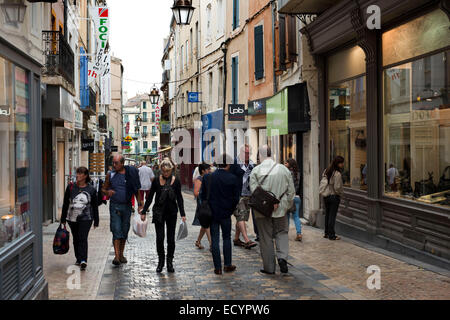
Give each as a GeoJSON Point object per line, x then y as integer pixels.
{"type": "Point", "coordinates": [239, 243]}
{"type": "Point", "coordinates": [250, 245]}
{"type": "Point", "coordinates": [198, 244]}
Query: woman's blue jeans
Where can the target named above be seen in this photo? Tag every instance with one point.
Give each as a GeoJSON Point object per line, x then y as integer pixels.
{"type": "Point", "coordinates": [296, 215]}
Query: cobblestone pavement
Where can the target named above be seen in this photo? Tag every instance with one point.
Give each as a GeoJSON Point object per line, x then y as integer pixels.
{"type": "Point", "coordinates": [320, 269]}
{"type": "Point", "coordinates": [57, 269]}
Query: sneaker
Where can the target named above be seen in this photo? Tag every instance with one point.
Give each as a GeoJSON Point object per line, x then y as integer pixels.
{"type": "Point", "coordinates": [83, 265]}
{"type": "Point", "coordinates": [77, 263]}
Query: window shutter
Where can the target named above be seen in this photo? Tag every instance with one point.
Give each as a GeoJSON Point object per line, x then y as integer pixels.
{"type": "Point", "coordinates": [282, 19]}
{"type": "Point", "coordinates": [234, 80]}
{"type": "Point", "coordinates": [259, 52]}
{"type": "Point", "coordinates": [292, 39]}
{"type": "Point", "coordinates": [235, 14]}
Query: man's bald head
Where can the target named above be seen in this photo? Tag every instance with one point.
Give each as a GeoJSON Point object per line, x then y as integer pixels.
{"type": "Point", "coordinates": [264, 152]}
{"type": "Point", "coordinates": [118, 162]}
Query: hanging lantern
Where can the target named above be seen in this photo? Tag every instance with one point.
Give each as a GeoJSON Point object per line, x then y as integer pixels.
{"type": "Point", "coordinates": [183, 11]}
{"type": "Point", "coordinates": [154, 96]}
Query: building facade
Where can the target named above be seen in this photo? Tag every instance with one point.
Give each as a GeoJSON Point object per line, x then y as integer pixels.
{"type": "Point", "coordinates": [383, 98]}
{"type": "Point", "coordinates": [21, 274]}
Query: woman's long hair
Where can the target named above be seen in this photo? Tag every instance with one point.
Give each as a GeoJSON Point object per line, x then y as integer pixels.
{"type": "Point", "coordinates": [292, 165]}
{"type": "Point", "coordinates": [334, 166]}
{"type": "Point", "coordinates": [85, 171]}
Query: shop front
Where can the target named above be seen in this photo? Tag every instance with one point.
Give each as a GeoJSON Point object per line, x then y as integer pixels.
{"type": "Point", "coordinates": [21, 275]}
{"type": "Point", "coordinates": [257, 136]}
{"type": "Point", "coordinates": [384, 104]}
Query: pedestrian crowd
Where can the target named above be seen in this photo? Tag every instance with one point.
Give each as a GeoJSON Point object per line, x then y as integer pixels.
{"type": "Point", "coordinates": [266, 191]}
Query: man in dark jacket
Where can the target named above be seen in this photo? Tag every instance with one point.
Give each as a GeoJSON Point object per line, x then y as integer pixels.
{"type": "Point", "coordinates": [223, 199]}
{"type": "Point", "coordinates": [120, 186]}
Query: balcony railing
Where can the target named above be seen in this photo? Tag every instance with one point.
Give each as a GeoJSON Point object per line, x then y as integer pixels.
{"type": "Point", "coordinates": [59, 57]}
{"type": "Point", "coordinates": [144, 135]}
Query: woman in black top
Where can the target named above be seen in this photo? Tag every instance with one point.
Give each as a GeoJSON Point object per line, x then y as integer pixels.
{"type": "Point", "coordinates": [80, 208]}
{"type": "Point", "coordinates": [167, 202]}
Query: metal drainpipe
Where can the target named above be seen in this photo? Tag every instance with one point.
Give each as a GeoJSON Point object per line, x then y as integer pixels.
{"type": "Point", "coordinates": [65, 19]}
{"type": "Point", "coordinates": [274, 12]}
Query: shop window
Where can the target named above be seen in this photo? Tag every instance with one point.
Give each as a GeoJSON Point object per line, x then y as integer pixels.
{"type": "Point", "coordinates": [15, 212]}
{"type": "Point", "coordinates": [417, 130]}
{"type": "Point", "coordinates": [348, 130]}
{"type": "Point", "coordinates": [418, 37]}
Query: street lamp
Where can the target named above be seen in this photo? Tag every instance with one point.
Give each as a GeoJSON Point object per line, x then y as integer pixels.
{"type": "Point", "coordinates": [183, 11]}
{"type": "Point", "coordinates": [14, 11]}
{"type": "Point", "coordinates": [154, 96]}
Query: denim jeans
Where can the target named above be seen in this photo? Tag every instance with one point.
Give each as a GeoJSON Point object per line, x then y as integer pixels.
{"type": "Point", "coordinates": [225, 225]}
{"type": "Point", "coordinates": [296, 215]}
{"type": "Point", "coordinates": [120, 220]}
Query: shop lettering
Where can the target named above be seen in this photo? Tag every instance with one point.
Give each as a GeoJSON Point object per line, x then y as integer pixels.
{"type": "Point", "coordinates": [103, 25]}
{"type": "Point", "coordinates": [236, 111]}
{"type": "Point", "coordinates": [5, 113]}
{"type": "Point", "coordinates": [421, 115]}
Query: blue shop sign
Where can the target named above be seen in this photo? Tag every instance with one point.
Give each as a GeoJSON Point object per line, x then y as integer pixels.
{"type": "Point", "coordinates": [193, 97]}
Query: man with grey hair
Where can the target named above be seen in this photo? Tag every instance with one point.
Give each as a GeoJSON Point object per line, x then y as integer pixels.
{"type": "Point", "coordinates": [121, 185]}
{"type": "Point", "coordinates": [279, 182]}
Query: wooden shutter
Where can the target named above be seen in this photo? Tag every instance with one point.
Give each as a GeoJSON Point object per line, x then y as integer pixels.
{"type": "Point", "coordinates": [282, 37]}
{"type": "Point", "coordinates": [259, 52]}
{"type": "Point", "coordinates": [292, 39]}
{"type": "Point", "coordinates": [234, 80]}
{"type": "Point", "coordinates": [235, 14]}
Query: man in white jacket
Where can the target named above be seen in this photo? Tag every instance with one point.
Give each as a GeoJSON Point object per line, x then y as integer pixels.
{"type": "Point", "coordinates": [279, 182]}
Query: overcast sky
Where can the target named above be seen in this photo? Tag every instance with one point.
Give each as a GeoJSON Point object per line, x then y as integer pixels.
{"type": "Point", "coordinates": [138, 28]}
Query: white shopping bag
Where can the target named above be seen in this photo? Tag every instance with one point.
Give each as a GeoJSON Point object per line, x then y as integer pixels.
{"type": "Point", "coordinates": [182, 231]}
{"type": "Point", "coordinates": [139, 226]}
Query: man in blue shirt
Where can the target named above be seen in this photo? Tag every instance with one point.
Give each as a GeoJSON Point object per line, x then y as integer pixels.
{"type": "Point", "coordinates": [120, 186]}
{"type": "Point", "coordinates": [223, 199]}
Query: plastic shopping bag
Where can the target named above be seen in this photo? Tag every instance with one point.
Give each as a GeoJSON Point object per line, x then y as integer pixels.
{"type": "Point", "coordinates": [61, 240]}
{"type": "Point", "coordinates": [139, 226]}
{"type": "Point", "coordinates": [182, 231]}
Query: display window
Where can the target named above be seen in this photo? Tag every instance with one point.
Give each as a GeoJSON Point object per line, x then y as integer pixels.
{"type": "Point", "coordinates": [347, 114]}
{"type": "Point", "coordinates": [417, 130]}
{"type": "Point", "coordinates": [14, 143]}
{"type": "Point", "coordinates": [417, 111]}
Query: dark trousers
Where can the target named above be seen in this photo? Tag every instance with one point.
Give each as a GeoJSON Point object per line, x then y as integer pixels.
{"type": "Point", "coordinates": [331, 209]}
{"type": "Point", "coordinates": [225, 225]}
{"type": "Point", "coordinates": [171, 223]}
{"type": "Point", "coordinates": [255, 227]}
{"type": "Point", "coordinates": [80, 233]}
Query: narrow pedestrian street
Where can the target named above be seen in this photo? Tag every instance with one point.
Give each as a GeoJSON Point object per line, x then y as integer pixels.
{"type": "Point", "coordinates": [320, 270]}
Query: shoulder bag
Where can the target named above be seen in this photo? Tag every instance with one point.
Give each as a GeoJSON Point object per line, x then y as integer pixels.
{"type": "Point", "coordinates": [264, 201]}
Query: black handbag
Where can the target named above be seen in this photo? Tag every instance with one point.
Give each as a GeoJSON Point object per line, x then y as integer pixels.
{"type": "Point", "coordinates": [444, 183]}
{"type": "Point", "coordinates": [425, 187]}
{"type": "Point", "coordinates": [264, 201]}
{"type": "Point", "coordinates": [204, 210]}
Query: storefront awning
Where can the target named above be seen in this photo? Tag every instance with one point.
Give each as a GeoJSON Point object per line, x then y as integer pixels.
{"type": "Point", "coordinates": [305, 6]}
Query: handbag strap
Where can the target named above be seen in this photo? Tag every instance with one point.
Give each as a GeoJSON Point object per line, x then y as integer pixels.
{"type": "Point", "coordinates": [265, 177]}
